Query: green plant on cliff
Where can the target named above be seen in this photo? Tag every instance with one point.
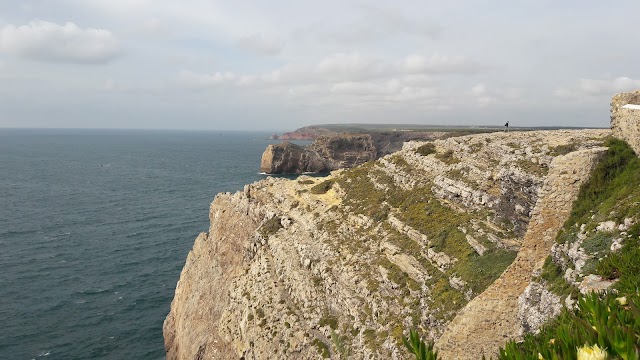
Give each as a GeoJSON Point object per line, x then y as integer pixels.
{"type": "Point", "coordinates": [417, 347]}
{"type": "Point", "coordinates": [611, 322]}
{"type": "Point", "coordinates": [322, 188]}
{"type": "Point", "coordinates": [603, 323]}
{"type": "Point", "coordinates": [613, 187]}
{"type": "Point", "coordinates": [611, 193]}
{"type": "Point", "coordinates": [426, 149]}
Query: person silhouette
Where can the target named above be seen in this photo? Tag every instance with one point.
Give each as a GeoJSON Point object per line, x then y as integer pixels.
{"type": "Point", "coordinates": [506, 126]}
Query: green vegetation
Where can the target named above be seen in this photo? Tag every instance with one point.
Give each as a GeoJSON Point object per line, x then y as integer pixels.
{"type": "Point", "coordinates": [624, 264]}
{"type": "Point", "coordinates": [447, 157]}
{"type": "Point", "coordinates": [426, 149]}
{"type": "Point", "coordinates": [323, 349]}
{"type": "Point", "coordinates": [270, 227]}
{"type": "Point", "coordinates": [597, 243]}
{"type": "Point", "coordinates": [417, 347]}
{"type": "Point", "coordinates": [552, 275]}
{"type": "Point", "coordinates": [322, 188]}
{"type": "Point", "coordinates": [603, 325]}
{"type": "Point", "coordinates": [306, 182]}
{"type": "Point", "coordinates": [328, 320]}
{"type": "Point", "coordinates": [481, 271]}
{"type": "Point", "coordinates": [612, 323]}
{"type": "Point", "coordinates": [341, 344]}
{"type": "Point", "coordinates": [612, 189]}
{"type": "Point", "coordinates": [563, 149]}
{"type": "Point", "coordinates": [396, 275]}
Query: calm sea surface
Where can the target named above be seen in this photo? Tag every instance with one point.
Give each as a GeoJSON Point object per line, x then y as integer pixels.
{"type": "Point", "coordinates": [95, 226]}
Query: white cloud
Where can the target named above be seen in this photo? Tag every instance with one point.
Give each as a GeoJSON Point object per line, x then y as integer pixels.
{"type": "Point", "coordinates": [193, 80]}
{"type": "Point", "coordinates": [47, 41]}
{"type": "Point", "coordinates": [350, 66]}
{"type": "Point", "coordinates": [439, 64]}
{"type": "Point", "coordinates": [261, 45]}
{"type": "Point", "coordinates": [154, 27]}
{"type": "Point", "coordinates": [598, 87]}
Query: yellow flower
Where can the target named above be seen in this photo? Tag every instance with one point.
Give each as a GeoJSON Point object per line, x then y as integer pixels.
{"type": "Point", "coordinates": [622, 300]}
{"type": "Point", "coordinates": [592, 353]}
{"type": "Point", "coordinates": [540, 357]}
{"type": "Point", "coordinates": [552, 341]}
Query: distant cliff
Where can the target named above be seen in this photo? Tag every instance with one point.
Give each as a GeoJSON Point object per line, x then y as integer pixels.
{"type": "Point", "coordinates": [336, 151]}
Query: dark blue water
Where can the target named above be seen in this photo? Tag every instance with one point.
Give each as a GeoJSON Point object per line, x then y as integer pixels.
{"type": "Point", "coordinates": [95, 226]}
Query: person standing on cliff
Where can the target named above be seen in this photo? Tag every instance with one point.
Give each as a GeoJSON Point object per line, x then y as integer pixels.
{"type": "Point", "coordinates": [506, 127]}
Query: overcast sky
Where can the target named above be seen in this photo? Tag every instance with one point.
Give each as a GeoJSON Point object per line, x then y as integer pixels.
{"type": "Point", "coordinates": [264, 65]}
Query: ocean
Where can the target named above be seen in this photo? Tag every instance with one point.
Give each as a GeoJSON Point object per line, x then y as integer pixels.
{"type": "Point", "coordinates": [95, 226]}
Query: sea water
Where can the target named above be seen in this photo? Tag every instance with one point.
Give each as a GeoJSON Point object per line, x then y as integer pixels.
{"type": "Point", "coordinates": [95, 226]}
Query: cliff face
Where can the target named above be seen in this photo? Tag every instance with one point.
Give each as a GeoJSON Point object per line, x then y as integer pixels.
{"type": "Point", "coordinates": [290, 268]}
{"type": "Point", "coordinates": [288, 158]}
{"type": "Point", "coordinates": [625, 118]}
{"type": "Point", "coordinates": [325, 154]}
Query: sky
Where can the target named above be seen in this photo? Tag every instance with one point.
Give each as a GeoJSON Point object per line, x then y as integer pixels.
{"type": "Point", "coordinates": [280, 65]}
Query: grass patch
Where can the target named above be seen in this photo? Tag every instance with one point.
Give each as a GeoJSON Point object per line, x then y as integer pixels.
{"type": "Point", "coordinates": [306, 182]}
{"type": "Point", "coordinates": [624, 264]}
{"type": "Point", "coordinates": [426, 149]}
{"type": "Point", "coordinates": [447, 157]}
{"type": "Point", "coordinates": [552, 274]}
{"type": "Point", "coordinates": [597, 243]}
{"type": "Point", "coordinates": [329, 320]}
{"type": "Point", "coordinates": [481, 271]}
{"type": "Point", "coordinates": [322, 188]}
{"type": "Point", "coordinates": [613, 187]}
{"type": "Point", "coordinates": [322, 348]}
{"type": "Point", "coordinates": [562, 149]}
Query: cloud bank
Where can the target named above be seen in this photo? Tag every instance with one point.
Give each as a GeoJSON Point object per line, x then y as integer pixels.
{"type": "Point", "coordinates": [49, 42]}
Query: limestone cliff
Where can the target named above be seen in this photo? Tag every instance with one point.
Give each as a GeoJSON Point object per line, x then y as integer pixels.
{"type": "Point", "coordinates": [289, 158]}
{"type": "Point", "coordinates": [325, 154]}
{"type": "Point", "coordinates": [290, 269]}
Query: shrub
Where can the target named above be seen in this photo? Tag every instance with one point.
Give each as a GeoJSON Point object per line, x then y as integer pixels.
{"type": "Point", "coordinates": [322, 188]}
{"type": "Point", "coordinates": [426, 149]}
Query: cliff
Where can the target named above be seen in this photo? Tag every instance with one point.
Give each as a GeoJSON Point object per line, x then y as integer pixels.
{"type": "Point", "coordinates": [421, 238]}
{"type": "Point", "coordinates": [289, 158]}
{"type": "Point", "coordinates": [336, 151]}
{"type": "Point", "coordinates": [625, 118]}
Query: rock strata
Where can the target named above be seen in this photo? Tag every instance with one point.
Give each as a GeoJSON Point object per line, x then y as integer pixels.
{"type": "Point", "coordinates": [289, 158]}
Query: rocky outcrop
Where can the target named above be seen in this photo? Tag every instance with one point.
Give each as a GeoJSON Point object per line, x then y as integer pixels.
{"type": "Point", "coordinates": [491, 318]}
{"type": "Point", "coordinates": [625, 118]}
{"type": "Point", "coordinates": [336, 151]}
{"type": "Point", "coordinates": [288, 266]}
{"type": "Point", "coordinates": [345, 150]}
{"type": "Point", "coordinates": [289, 158]}
{"type": "Point", "coordinates": [325, 154]}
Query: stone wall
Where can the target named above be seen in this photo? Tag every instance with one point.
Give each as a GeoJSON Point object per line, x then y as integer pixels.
{"type": "Point", "coordinates": [625, 122]}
